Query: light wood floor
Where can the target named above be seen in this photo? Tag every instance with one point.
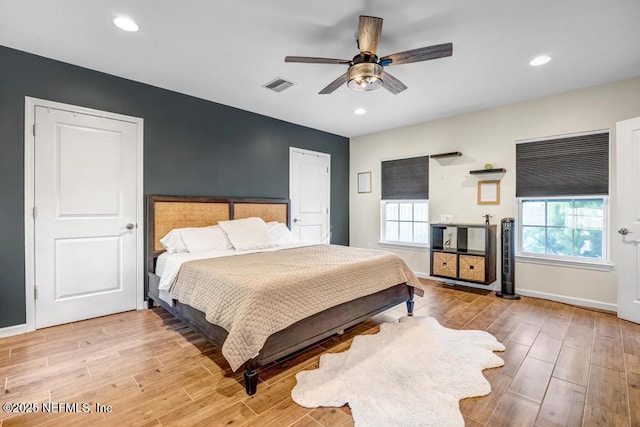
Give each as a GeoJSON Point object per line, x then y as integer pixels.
{"type": "Point", "coordinates": [563, 366]}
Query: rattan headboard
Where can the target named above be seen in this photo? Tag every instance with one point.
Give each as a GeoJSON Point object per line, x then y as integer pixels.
{"type": "Point", "coordinates": [164, 213]}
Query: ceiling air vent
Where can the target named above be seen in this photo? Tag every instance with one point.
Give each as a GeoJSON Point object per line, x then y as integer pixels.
{"type": "Point", "coordinates": [278, 85]}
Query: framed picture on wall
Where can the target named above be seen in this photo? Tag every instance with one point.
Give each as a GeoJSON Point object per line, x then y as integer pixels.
{"type": "Point", "coordinates": [489, 192]}
{"type": "Point", "coordinates": [364, 182]}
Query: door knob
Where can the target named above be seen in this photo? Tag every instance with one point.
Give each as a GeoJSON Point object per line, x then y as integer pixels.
{"type": "Point", "coordinates": [129, 226]}
{"type": "Point", "coordinates": [296, 220]}
{"type": "Point", "coordinates": [623, 231]}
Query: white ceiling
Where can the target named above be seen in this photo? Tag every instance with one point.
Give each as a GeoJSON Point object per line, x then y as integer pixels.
{"type": "Point", "coordinates": [224, 51]}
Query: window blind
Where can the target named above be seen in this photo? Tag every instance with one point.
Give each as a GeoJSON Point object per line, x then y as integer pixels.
{"type": "Point", "coordinates": [405, 178]}
{"type": "Point", "coordinates": [569, 166]}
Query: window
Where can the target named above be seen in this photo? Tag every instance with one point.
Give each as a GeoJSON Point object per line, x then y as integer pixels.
{"type": "Point", "coordinates": [404, 212]}
{"type": "Point", "coordinates": [562, 188]}
{"type": "Point", "coordinates": [405, 222]}
{"type": "Point", "coordinates": [563, 227]}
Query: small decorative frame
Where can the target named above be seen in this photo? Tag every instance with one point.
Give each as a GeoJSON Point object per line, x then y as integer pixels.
{"type": "Point", "coordinates": [489, 192]}
{"type": "Point", "coordinates": [364, 182]}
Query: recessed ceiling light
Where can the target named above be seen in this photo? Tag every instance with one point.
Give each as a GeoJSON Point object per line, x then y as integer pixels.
{"type": "Point", "coordinates": [126, 24]}
{"type": "Point", "coordinates": [539, 60]}
{"type": "Point", "coordinates": [360, 111]}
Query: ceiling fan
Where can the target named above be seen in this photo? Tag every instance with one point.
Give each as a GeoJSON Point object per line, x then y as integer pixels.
{"type": "Point", "coordinates": [366, 71]}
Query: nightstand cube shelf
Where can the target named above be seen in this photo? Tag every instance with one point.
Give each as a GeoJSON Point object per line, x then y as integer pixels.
{"type": "Point", "coordinates": [464, 252]}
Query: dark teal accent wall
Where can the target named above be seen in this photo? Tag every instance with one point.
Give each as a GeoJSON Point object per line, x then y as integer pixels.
{"type": "Point", "coordinates": [191, 147]}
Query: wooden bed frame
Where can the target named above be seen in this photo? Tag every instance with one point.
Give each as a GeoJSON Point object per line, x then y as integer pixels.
{"type": "Point", "coordinates": [165, 213]}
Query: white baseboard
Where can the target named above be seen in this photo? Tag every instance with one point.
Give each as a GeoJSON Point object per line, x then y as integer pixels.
{"type": "Point", "coordinates": [580, 302]}
{"type": "Point", "coordinates": [421, 275]}
{"type": "Point", "coordinates": [13, 330]}
{"type": "Point", "coordinates": [451, 282]}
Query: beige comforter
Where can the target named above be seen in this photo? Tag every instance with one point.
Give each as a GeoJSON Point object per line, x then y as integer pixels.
{"type": "Point", "coordinates": [255, 295]}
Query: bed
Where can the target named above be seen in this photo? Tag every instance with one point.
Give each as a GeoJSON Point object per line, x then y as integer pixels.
{"type": "Point", "coordinates": [166, 213]}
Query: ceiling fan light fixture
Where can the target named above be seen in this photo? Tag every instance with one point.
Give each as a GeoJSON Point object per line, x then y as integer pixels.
{"type": "Point", "coordinates": [365, 71]}
{"type": "Point", "coordinates": [365, 76]}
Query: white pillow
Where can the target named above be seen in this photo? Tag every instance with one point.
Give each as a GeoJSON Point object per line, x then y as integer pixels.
{"type": "Point", "coordinates": [281, 233]}
{"type": "Point", "coordinates": [172, 241]}
{"type": "Point", "coordinates": [200, 239]}
{"type": "Point", "coordinates": [248, 233]}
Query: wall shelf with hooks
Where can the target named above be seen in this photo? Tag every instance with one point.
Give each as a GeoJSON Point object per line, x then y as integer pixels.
{"type": "Point", "coordinates": [487, 171]}
{"type": "Point", "coordinates": [445, 155]}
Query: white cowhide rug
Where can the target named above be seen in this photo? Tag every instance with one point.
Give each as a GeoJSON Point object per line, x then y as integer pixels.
{"type": "Point", "coordinates": [412, 373]}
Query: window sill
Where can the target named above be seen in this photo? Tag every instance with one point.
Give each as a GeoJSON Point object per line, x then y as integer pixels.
{"type": "Point", "coordinates": [600, 266]}
{"type": "Point", "coordinates": [409, 246]}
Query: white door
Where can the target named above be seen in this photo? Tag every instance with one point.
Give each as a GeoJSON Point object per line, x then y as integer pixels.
{"type": "Point", "coordinates": [309, 191]}
{"type": "Point", "coordinates": [628, 236]}
{"type": "Point", "coordinates": [85, 185]}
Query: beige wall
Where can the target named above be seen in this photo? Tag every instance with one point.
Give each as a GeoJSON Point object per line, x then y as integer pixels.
{"type": "Point", "coordinates": [489, 136]}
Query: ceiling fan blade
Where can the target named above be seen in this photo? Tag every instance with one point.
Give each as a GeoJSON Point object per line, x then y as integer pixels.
{"type": "Point", "coordinates": [311, 60]}
{"type": "Point", "coordinates": [335, 84]}
{"type": "Point", "coordinates": [369, 32]}
{"type": "Point", "coordinates": [417, 55]}
{"type": "Point", "coordinates": [392, 84]}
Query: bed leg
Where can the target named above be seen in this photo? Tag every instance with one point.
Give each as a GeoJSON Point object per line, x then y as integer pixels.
{"type": "Point", "coordinates": [149, 303]}
{"type": "Point", "coordinates": [251, 376]}
{"type": "Point", "coordinates": [410, 302]}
